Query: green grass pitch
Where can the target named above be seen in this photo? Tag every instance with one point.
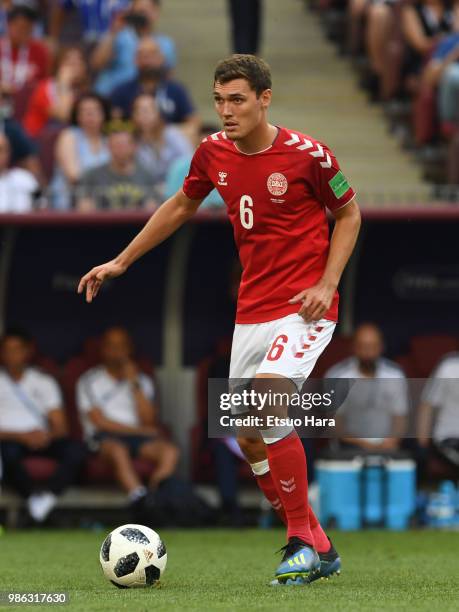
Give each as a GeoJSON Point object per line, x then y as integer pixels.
{"type": "Point", "coordinates": [230, 570]}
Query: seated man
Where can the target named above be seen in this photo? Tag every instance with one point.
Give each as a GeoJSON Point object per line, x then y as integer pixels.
{"type": "Point", "coordinates": [172, 98]}
{"type": "Point", "coordinates": [120, 184]}
{"type": "Point", "coordinates": [32, 422]}
{"type": "Point", "coordinates": [438, 414]}
{"type": "Point", "coordinates": [373, 416]}
{"type": "Point", "coordinates": [113, 56]}
{"type": "Point", "coordinates": [119, 416]}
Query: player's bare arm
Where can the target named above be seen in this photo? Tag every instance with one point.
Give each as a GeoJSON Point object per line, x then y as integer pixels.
{"type": "Point", "coordinates": [317, 300]}
{"type": "Point", "coordinates": [164, 222]}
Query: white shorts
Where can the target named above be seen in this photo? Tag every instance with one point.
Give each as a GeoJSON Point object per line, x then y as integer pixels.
{"type": "Point", "coordinates": [288, 347]}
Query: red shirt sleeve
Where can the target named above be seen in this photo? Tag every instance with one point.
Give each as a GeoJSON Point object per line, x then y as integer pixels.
{"type": "Point", "coordinates": [327, 181]}
{"type": "Point", "coordinates": [37, 113]}
{"type": "Point", "coordinates": [39, 56]}
{"type": "Point", "coordinates": [197, 184]}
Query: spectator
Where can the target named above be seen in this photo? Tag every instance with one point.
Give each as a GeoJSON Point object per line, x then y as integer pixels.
{"type": "Point", "coordinates": [22, 60]}
{"type": "Point", "coordinates": [116, 402]}
{"type": "Point", "coordinates": [95, 17]}
{"type": "Point", "coordinates": [443, 70]}
{"type": "Point", "coordinates": [438, 414]}
{"type": "Point", "coordinates": [32, 423]}
{"type": "Point", "coordinates": [423, 23]}
{"type": "Point", "coordinates": [121, 183]}
{"type": "Point", "coordinates": [18, 187]}
{"type": "Point", "coordinates": [55, 96]}
{"type": "Point", "coordinates": [179, 169]}
{"type": "Point", "coordinates": [373, 416]}
{"type": "Point", "coordinates": [158, 145]}
{"type": "Point", "coordinates": [172, 98]}
{"type": "Point", "coordinates": [114, 56]}
{"type": "Point", "coordinates": [23, 152]}
{"type": "Point", "coordinates": [79, 148]}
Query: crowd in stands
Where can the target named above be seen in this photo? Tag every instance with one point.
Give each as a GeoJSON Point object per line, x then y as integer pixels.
{"type": "Point", "coordinates": [406, 53]}
{"type": "Point", "coordinates": [91, 116]}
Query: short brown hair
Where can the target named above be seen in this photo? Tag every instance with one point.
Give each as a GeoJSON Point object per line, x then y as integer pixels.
{"type": "Point", "coordinates": [243, 66]}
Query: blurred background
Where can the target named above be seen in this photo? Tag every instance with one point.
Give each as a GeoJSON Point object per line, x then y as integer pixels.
{"type": "Point", "coordinates": [103, 407]}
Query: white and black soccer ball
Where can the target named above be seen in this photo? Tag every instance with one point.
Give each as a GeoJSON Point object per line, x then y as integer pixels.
{"type": "Point", "coordinates": [133, 556]}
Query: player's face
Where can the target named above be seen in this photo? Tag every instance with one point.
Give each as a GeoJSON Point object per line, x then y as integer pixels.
{"type": "Point", "coordinates": [239, 108]}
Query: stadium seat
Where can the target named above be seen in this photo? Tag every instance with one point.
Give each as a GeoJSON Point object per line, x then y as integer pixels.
{"type": "Point", "coordinates": [40, 468]}
{"type": "Point", "coordinates": [98, 471]}
{"type": "Point", "coordinates": [426, 351]}
{"type": "Point", "coordinates": [439, 469]}
{"type": "Point", "coordinates": [407, 365]}
{"type": "Point", "coordinates": [339, 348]}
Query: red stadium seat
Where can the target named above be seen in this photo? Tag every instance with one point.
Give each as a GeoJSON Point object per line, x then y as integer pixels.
{"type": "Point", "coordinates": [439, 469]}
{"type": "Point", "coordinates": [40, 468]}
{"type": "Point", "coordinates": [407, 365]}
{"type": "Point", "coordinates": [426, 351]}
{"type": "Point", "coordinates": [98, 471]}
{"type": "Point", "coordinates": [339, 348]}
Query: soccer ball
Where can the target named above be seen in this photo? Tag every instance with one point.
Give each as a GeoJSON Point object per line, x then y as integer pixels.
{"type": "Point", "coordinates": [133, 556]}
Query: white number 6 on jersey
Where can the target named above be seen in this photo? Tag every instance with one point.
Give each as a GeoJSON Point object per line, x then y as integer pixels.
{"type": "Point", "coordinates": [246, 212]}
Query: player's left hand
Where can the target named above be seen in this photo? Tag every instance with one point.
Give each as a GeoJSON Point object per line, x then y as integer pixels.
{"type": "Point", "coordinates": [315, 301]}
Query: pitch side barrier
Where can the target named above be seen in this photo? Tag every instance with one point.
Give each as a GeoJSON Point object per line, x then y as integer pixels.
{"type": "Point", "coordinates": [334, 408]}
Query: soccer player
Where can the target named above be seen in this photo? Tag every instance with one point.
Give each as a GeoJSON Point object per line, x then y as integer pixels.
{"type": "Point", "coordinates": [277, 184]}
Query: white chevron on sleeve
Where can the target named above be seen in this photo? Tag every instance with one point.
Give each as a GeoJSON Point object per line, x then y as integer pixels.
{"type": "Point", "coordinates": [307, 145]}
{"type": "Point", "coordinates": [319, 152]}
{"type": "Point", "coordinates": [215, 136]}
{"type": "Point", "coordinates": [326, 164]}
{"type": "Point", "coordinates": [294, 140]}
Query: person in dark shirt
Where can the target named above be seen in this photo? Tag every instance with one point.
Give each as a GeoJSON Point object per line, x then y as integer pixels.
{"type": "Point", "coordinates": [172, 98]}
{"type": "Point", "coordinates": [23, 152]}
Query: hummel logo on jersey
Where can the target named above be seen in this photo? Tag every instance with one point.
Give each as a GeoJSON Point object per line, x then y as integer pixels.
{"type": "Point", "coordinates": [222, 178]}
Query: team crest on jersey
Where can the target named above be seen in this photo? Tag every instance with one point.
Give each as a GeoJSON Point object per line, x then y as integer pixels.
{"type": "Point", "coordinates": [222, 178]}
{"type": "Point", "coordinates": [277, 184]}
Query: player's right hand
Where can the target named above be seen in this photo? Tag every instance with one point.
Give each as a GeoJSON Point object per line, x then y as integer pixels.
{"type": "Point", "coordinates": [92, 281]}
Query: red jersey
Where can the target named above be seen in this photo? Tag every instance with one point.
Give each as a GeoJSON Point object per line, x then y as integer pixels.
{"type": "Point", "coordinates": [276, 202]}
{"type": "Point", "coordinates": [22, 65]}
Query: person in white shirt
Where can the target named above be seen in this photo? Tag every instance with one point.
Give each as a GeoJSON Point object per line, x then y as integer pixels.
{"type": "Point", "coordinates": [32, 422]}
{"type": "Point", "coordinates": [18, 187]}
{"type": "Point", "coordinates": [438, 414]}
{"type": "Point", "coordinates": [373, 415]}
{"type": "Point", "coordinates": [119, 417]}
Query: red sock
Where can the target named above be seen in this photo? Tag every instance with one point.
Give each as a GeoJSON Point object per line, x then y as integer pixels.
{"type": "Point", "coordinates": [266, 484]}
{"type": "Point", "coordinates": [287, 463]}
{"type": "Point", "coordinates": [321, 542]}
